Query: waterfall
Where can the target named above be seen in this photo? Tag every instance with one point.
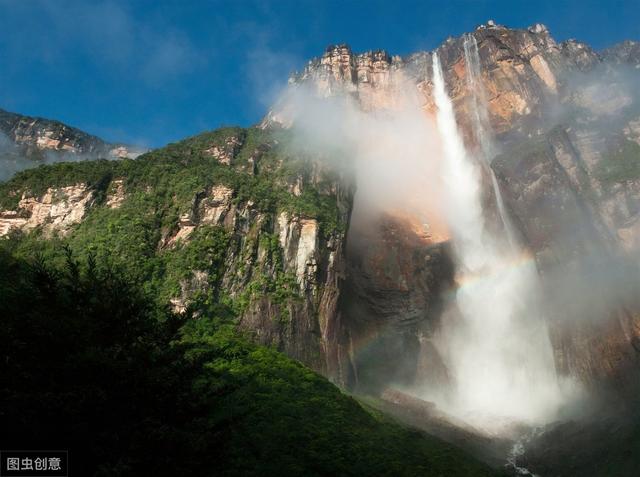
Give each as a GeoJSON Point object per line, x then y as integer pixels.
{"type": "Point", "coordinates": [493, 337]}
{"type": "Point", "coordinates": [478, 99]}
{"type": "Point", "coordinates": [482, 128]}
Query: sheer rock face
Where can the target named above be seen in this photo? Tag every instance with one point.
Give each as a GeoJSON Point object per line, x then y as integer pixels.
{"type": "Point", "coordinates": [584, 233]}
{"type": "Point", "coordinates": [523, 71]}
{"type": "Point", "coordinates": [396, 279]}
{"type": "Point", "coordinates": [312, 273]}
{"type": "Point", "coordinates": [551, 179]}
{"type": "Point", "coordinates": [578, 219]}
{"type": "Point", "coordinates": [313, 270]}
{"type": "Point", "coordinates": [302, 263]}
{"type": "Point", "coordinates": [374, 77]}
{"type": "Point", "coordinates": [525, 74]}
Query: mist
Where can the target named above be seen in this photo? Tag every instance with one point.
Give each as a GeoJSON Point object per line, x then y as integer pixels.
{"type": "Point", "coordinates": [405, 161]}
{"type": "Point", "coordinates": [392, 155]}
{"type": "Point", "coordinates": [15, 158]}
{"type": "Point", "coordinates": [408, 157]}
{"type": "Point", "coordinates": [494, 337]}
{"type": "Point", "coordinates": [605, 93]}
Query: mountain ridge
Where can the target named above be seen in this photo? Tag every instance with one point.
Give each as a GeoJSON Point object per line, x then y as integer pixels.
{"type": "Point", "coordinates": [26, 141]}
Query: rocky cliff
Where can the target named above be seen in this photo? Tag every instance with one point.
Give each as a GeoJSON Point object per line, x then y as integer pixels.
{"type": "Point", "coordinates": [564, 120]}
{"type": "Point", "coordinates": [27, 141]}
{"type": "Point", "coordinates": [54, 211]}
{"type": "Point", "coordinates": [227, 220]}
{"type": "Point", "coordinates": [361, 304]}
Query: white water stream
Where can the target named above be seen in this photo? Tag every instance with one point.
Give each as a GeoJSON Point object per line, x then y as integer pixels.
{"type": "Point", "coordinates": [494, 340]}
{"type": "Point", "coordinates": [482, 129]}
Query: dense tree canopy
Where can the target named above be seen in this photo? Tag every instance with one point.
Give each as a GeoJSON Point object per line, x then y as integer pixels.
{"type": "Point", "coordinates": [92, 364]}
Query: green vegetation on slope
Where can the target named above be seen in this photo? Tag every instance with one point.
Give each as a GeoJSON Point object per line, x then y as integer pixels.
{"type": "Point", "coordinates": [621, 165]}
{"type": "Point", "coordinates": [165, 180]}
{"type": "Point", "coordinates": [96, 362]}
{"type": "Point", "coordinates": [160, 187]}
{"type": "Point", "coordinates": [91, 363]}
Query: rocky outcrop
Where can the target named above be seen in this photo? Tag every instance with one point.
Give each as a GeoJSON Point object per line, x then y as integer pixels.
{"type": "Point", "coordinates": [627, 52]}
{"type": "Point", "coordinates": [311, 275]}
{"type": "Point", "coordinates": [375, 78]}
{"type": "Point", "coordinates": [285, 268]}
{"type": "Point", "coordinates": [211, 207]}
{"type": "Point", "coordinates": [34, 138]}
{"type": "Point", "coordinates": [55, 211]}
{"type": "Point", "coordinates": [116, 194]}
{"type": "Point", "coordinates": [224, 153]}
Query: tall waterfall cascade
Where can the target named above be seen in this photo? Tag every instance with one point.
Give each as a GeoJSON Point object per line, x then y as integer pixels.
{"type": "Point", "coordinates": [482, 128]}
{"type": "Point", "coordinates": [493, 339]}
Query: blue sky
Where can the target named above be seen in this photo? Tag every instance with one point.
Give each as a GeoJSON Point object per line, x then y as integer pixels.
{"type": "Point", "coordinates": [152, 72]}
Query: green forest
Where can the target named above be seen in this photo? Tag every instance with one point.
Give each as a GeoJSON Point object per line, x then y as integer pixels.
{"type": "Point", "coordinates": [95, 361]}
{"type": "Point", "coordinates": [94, 364]}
